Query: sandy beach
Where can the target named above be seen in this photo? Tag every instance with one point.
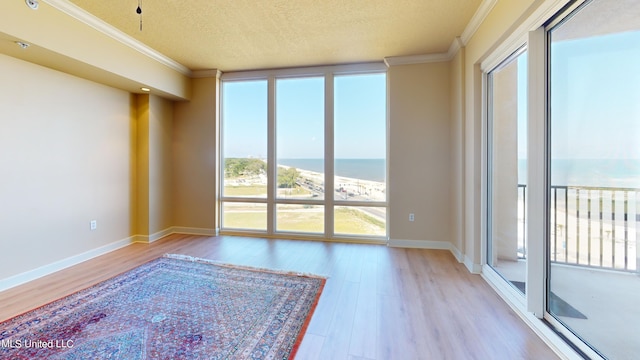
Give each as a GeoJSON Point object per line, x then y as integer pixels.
{"type": "Point", "coordinates": [345, 188]}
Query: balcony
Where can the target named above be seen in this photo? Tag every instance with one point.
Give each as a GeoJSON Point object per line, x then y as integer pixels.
{"type": "Point", "coordinates": [593, 248]}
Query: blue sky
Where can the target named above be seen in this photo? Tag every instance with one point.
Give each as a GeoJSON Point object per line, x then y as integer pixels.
{"type": "Point", "coordinates": [595, 97]}
{"type": "Point", "coordinates": [244, 119]}
{"type": "Point", "coordinates": [359, 117]}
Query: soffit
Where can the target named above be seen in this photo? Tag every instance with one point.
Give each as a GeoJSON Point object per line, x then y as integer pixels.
{"type": "Point", "coordinates": [233, 35]}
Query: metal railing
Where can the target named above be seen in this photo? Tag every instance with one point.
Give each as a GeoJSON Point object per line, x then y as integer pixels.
{"type": "Point", "coordinates": [590, 226]}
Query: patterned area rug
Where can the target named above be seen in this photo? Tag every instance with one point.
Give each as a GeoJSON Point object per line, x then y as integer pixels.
{"type": "Point", "coordinates": [174, 307]}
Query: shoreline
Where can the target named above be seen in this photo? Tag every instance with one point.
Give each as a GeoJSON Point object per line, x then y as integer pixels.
{"type": "Point", "coordinates": [350, 187]}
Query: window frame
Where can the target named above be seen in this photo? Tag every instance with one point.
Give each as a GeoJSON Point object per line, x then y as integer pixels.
{"type": "Point", "coordinates": [489, 161]}
{"type": "Point", "coordinates": [272, 201]}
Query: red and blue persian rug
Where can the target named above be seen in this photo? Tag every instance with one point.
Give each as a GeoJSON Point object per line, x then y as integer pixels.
{"type": "Point", "coordinates": [173, 307]}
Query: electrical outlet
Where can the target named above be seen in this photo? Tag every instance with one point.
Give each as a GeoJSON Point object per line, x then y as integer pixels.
{"type": "Point", "coordinates": [411, 217]}
{"type": "Point", "coordinates": [93, 224]}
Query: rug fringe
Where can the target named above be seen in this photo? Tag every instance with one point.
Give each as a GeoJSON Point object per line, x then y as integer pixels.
{"type": "Point", "coordinates": [243, 267]}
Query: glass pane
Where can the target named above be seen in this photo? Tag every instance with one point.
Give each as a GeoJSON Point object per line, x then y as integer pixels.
{"type": "Point", "coordinates": [300, 218]}
{"type": "Point", "coordinates": [244, 139]}
{"type": "Point", "coordinates": [245, 216]}
{"type": "Point", "coordinates": [595, 176]}
{"type": "Point", "coordinates": [360, 137]}
{"type": "Point", "coordinates": [507, 170]}
{"type": "Point", "coordinates": [370, 221]}
{"type": "Point", "coordinates": [300, 138]}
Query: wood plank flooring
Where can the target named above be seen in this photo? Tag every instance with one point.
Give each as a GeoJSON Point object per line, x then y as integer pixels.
{"type": "Point", "coordinates": [378, 302]}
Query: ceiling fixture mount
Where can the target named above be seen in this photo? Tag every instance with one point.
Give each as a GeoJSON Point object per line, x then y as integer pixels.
{"type": "Point", "coordinates": [22, 44]}
{"type": "Point", "coordinates": [139, 12]}
{"type": "Point", "coordinates": [32, 4]}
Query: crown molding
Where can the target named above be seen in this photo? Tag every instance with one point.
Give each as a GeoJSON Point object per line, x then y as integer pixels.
{"type": "Point", "coordinates": [199, 74]}
{"type": "Point", "coordinates": [456, 45]}
{"type": "Point", "coordinates": [107, 29]}
{"type": "Point", "coordinates": [476, 20]}
{"type": "Point", "coordinates": [353, 68]}
{"type": "Point", "coordinates": [83, 16]}
{"type": "Point", "coordinates": [416, 59]}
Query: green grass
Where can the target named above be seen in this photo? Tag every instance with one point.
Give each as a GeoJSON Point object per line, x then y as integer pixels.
{"type": "Point", "coordinates": [353, 221]}
{"type": "Point", "coordinates": [300, 218]}
{"type": "Point", "coordinates": [246, 190]}
{"type": "Point", "coordinates": [245, 218]}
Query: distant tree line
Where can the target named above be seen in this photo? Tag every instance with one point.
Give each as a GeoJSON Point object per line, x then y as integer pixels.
{"type": "Point", "coordinates": [234, 167]}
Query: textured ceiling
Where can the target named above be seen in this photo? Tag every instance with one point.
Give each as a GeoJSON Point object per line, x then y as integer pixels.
{"type": "Point", "coordinates": [232, 35]}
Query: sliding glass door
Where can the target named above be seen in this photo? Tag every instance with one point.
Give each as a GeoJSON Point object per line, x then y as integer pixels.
{"type": "Point", "coordinates": [507, 165]}
{"type": "Point", "coordinates": [594, 86]}
{"type": "Point", "coordinates": [562, 194]}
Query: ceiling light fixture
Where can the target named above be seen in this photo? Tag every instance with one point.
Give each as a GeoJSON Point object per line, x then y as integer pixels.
{"type": "Point", "coordinates": [23, 45]}
{"type": "Point", "coordinates": [32, 4]}
{"type": "Point", "coordinates": [145, 89]}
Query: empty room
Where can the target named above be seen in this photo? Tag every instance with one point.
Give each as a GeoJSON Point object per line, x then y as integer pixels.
{"type": "Point", "coordinates": [319, 179]}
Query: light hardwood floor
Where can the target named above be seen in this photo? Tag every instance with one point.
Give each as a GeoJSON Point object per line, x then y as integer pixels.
{"type": "Point", "coordinates": [378, 302]}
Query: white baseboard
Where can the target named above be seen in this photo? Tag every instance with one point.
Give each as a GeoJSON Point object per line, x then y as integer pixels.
{"type": "Point", "coordinates": [473, 268]}
{"type": "Point", "coordinates": [41, 271]}
{"type": "Point", "coordinates": [457, 253]}
{"type": "Point", "coordinates": [436, 245]}
{"type": "Point", "coordinates": [147, 239]}
{"type": "Point", "coordinates": [194, 231]}
{"type": "Point", "coordinates": [420, 244]}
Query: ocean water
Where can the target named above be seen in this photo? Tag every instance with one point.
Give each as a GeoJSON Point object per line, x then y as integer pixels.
{"type": "Point", "coordinates": [620, 173]}
{"type": "Point", "coordinates": [365, 169]}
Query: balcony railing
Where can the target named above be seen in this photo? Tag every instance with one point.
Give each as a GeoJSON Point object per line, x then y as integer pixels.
{"type": "Point", "coordinates": [590, 226]}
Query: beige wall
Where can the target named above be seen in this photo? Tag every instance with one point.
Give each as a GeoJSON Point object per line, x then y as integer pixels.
{"type": "Point", "coordinates": [65, 159]}
{"type": "Point", "coordinates": [141, 154]}
{"type": "Point", "coordinates": [72, 151]}
{"type": "Point", "coordinates": [420, 152]}
{"type": "Point", "coordinates": [194, 158]}
{"type": "Point", "coordinates": [160, 164]}
{"type": "Point", "coordinates": [154, 206]}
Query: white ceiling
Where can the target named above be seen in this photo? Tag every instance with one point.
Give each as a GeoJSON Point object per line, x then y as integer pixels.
{"type": "Point", "coordinates": [232, 35]}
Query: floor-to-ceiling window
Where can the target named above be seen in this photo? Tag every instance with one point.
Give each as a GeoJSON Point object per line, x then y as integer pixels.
{"type": "Point", "coordinates": [507, 164]}
{"type": "Point", "coordinates": [304, 153]}
{"type": "Point", "coordinates": [594, 163]}
{"type": "Point", "coordinates": [300, 155]}
{"type": "Point", "coordinates": [244, 164]}
{"type": "Point", "coordinates": [360, 154]}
